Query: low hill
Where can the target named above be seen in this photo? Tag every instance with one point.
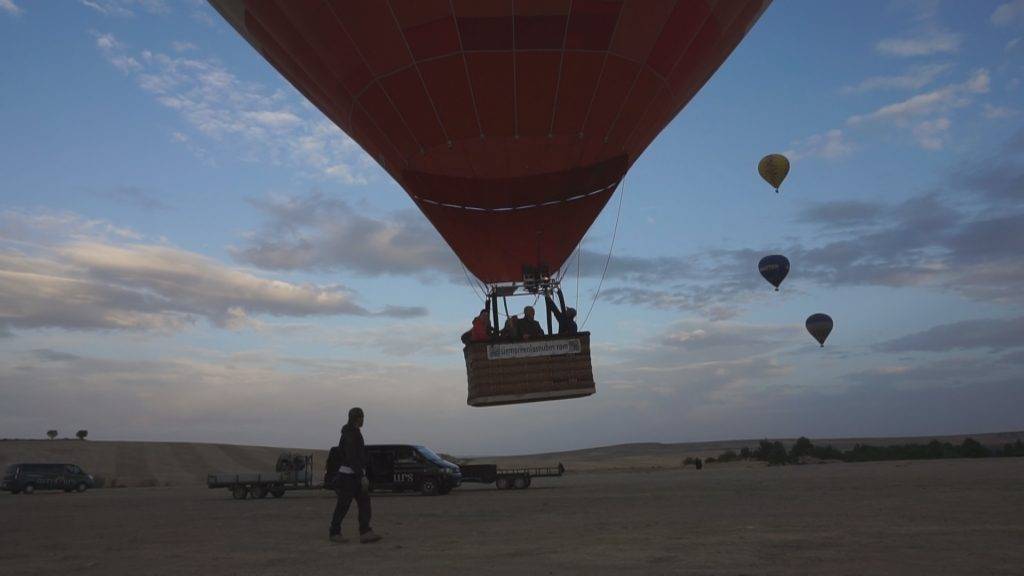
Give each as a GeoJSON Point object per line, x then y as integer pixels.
{"type": "Point", "coordinates": [653, 455]}
{"type": "Point", "coordinates": [146, 463]}
{"type": "Point", "coordinates": [178, 463]}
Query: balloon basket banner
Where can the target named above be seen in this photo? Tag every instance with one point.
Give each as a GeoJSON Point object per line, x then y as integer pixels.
{"type": "Point", "coordinates": [520, 372]}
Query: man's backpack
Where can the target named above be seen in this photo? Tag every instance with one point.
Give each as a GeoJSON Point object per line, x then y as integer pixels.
{"type": "Point", "coordinates": [334, 460]}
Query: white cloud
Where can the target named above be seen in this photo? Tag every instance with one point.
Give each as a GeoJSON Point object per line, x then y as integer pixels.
{"type": "Point", "coordinates": [63, 271]}
{"type": "Point", "coordinates": [183, 46]}
{"type": "Point", "coordinates": [1007, 13]}
{"type": "Point", "coordinates": [921, 44]}
{"type": "Point", "coordinates": [11, 8]}
{"type": "Point", "coordinates": [931, 134]}
{"type": "Point", "coordinates": [829, 145]}
{"type": "Point", "coordinates": [273, 119]}
{"type": "Point", "coordinates": [913, 79]}
{"type": "Point", "coordinates": [126, 8]}
{"type": "Point", "coordinates": [951, 96]}
{"type": "Point", "coordinates": [998, 112]}
{"type": "Point", "coordinates": [239, 118]}
{"type": "Point", "coordinates": [113, 50]}
{"type": "Point", "coordinates": [317, 232]}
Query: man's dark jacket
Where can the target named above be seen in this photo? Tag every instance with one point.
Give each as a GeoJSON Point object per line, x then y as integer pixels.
{"type": "Point", "coordinates": [353, 450]}
{"type": "Point", "coordinates": [350, 451]}
{"type": "Point", "coordinates": [529, 328]}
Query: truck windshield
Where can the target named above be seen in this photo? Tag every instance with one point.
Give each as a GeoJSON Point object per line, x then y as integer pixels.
{"type": "Point", "coordinates": [429, 454]}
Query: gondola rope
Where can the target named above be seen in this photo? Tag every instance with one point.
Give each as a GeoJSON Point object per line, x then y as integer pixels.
{"type": "Point", "coordinates": [615, 231]}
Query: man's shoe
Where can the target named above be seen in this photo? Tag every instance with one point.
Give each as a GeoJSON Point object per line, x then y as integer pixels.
{"type": "Point", "coordinates": [338, 539]}
{"type": "Point", "coordinates": [368, 537]}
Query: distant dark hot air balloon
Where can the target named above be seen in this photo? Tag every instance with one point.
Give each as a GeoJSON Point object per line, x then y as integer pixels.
{"type": "Point", "coordinates": [820, 326]}
{"type": "Point", "coordinates": [774, 268]}
{"type": "Point", "coordinates": [774, 168]}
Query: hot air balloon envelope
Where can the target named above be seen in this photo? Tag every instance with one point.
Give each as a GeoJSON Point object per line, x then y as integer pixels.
{"type": "Point", "coordinates": [510, 123]}
{"type": "Point", "coordinates": [774, 268]}
{"type": "Point", "coordinates": [820, 326]}
{"type": "Point", "coordinates": [773, 168]}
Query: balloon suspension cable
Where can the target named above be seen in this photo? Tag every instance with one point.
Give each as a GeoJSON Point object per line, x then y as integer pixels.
{"type": "Point", "coordinates": [483, 298]}
{"type": "Point", "coordinates": [579, 264]}
{"type": "Point", "coordinates": [615, 232]}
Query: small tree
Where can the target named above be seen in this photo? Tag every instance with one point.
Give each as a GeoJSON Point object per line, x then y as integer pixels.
{"type": "Point", "coordinates": [82, 434]}
{"type": "Point", "coordinates": [971, 448]}
{"type": "Point", "coordinates": [802, 447]}
{"type": "Point", "coordinates": [51, 434]}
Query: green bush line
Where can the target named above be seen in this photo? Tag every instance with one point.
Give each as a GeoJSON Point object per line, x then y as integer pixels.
{"type": "Point", "coordinates": [775, 453]}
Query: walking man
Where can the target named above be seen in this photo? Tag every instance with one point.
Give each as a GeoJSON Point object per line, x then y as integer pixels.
{"type": "Point", "coordinates": [346, 474]}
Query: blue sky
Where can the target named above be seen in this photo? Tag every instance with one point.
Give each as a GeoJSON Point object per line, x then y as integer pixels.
{"type": "Point", "coordinates": [150, 161]}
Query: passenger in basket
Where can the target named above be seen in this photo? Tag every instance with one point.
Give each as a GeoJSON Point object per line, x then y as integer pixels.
{"type": "Point", "coordinates": [511, 329]}
{"type": "Point", "coordinates": [481, 330]}
{"type": "Point", "coordinates": [566, 316]}
{"type": "Point", "coordinates": [346, 474]}
{"type": "Point", "coordinates": [528, 327]}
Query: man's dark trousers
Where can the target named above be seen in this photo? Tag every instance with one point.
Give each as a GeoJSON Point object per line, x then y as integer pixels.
{"type": "Point", "coordinates": [349, 488]}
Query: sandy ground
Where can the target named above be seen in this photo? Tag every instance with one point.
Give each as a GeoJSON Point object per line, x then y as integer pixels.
{"type": "Point", "coordinates": [940, 517]}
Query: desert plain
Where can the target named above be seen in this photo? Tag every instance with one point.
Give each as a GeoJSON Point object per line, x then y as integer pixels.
{"type": "Point", "coordinates": [906, 517]}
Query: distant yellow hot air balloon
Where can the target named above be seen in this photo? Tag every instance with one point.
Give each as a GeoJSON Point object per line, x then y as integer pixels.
{"type": "Point", "coordinates": [773, 168]}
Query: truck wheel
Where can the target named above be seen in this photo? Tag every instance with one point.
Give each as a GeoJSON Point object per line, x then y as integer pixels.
{"type": "Point", "coordinates": [502, 483]}
{"type": "Point", "coordinates": [80, 487]}
{"type": "Point", "coordinates": [520, 482]}
{"type": "Point", "coordinates": [239, 492]}
{"type": "Point", "coordinates": [277, 493]}
{"type": "Point", "coordinates": [29, 488]}
{"type": "Point", "coordinates": [259, 492]}
{"type": "Point", "coordinates": [428, 486]}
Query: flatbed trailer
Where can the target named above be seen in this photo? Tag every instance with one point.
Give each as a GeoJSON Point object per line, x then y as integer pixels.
{"type": "Point", "coordinates": [293, 472]}
{"type": "Point", "coordinates": [507, 478]}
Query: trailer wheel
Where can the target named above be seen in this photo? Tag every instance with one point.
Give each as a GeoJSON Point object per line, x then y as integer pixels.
{"type": "Point", "coordinates": [502, 483]}
{"type": "Point", "coordinates": [240, 492]}
{"type": "Point", "coordinates": [428, 486]}
{"type": "Point", "coordinates": [520, 482]}
{"type": "Point", "coordinates": [277, 493]}
{"type": "Point", "coordinates": [259, 492]}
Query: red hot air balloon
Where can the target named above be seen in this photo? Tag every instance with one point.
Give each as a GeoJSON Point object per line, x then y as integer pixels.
{"type": "Point", "coordinates": [509, 122]}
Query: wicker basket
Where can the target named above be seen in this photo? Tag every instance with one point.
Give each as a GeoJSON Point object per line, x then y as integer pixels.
{"type": "Point", "coordinates": [536, 376]}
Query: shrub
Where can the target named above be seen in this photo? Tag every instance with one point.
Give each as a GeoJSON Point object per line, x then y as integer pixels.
{"type": "Point", "coordinates": [971, 448]}
{"type": "Point", "coordinates": [51, 434]}
{"type": "Point", "coordinates": [81, 434]}
{"type": "Point", "coordinates": [802, 447]}
{"type": "Point", "coordinates": [728, 456]}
